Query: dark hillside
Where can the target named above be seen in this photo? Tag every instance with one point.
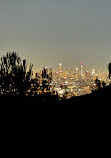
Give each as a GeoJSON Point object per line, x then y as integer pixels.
{"type": "Point", "coordinates": [100, 97]}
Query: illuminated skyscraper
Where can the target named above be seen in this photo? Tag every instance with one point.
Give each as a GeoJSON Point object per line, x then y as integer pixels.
{"type": "Point", "coordinates": [60, 70]}
{"type": "Point", "coordinates": [93, 72]}
{"type": "Point", "coordinates": [76, 73]}
{"type": "Point", "coordinates": [87, 74]}
{"type": "Point", "coordinates": [81, 69]}
{"type": "Point", "coordinates": [66, 73]}
{"type": "Point", "coordinates": [60, 67]}
{"type": "Point", "coordinates": [99, 75]}
{"type": "Point", "coordinates": [71, 73]}
{"type": "Point", "coordinates": [76, 69]}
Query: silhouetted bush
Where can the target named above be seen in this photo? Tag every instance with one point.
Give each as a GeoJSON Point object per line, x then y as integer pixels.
{"type": "Point", "coordinates": [14, 77]}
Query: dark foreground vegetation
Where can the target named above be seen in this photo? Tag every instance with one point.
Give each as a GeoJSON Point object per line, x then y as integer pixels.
{"type": "Point", "coordinates": [100, 97]}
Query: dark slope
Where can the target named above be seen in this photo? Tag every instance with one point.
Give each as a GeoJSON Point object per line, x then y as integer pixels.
{"type": "Point", "coordinates": [100, 97]}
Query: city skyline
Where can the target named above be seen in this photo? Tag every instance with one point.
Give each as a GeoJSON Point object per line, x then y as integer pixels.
{"type": "Point", "coordinates": [80, 68]}
{"type": "Point", "coordinates": [17, 79]}
{"type": "Point", "coordinates": [48, 32]}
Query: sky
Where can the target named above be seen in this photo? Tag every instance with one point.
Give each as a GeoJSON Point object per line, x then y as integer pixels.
{"type": "Point", "coordinates": [49, 32]}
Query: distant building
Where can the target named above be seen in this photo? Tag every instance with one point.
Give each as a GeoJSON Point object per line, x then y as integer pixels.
{"type": "Point", "coordinates": [81, 69]}
{"type": "Point", "coordinates": [66, 73]}
{"type": "Point", "coordinates": [87, 74]}
{"type": "Point", "coordinates": [93, 74]}
{"type": "Point", "coordinates": [76, 73]}
{"type": "Point", "coordinates": [71, 73]}
{"type": "Point", "coordinates": [60, 70]}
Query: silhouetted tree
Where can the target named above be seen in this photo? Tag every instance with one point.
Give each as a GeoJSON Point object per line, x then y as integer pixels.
{"type": "Point", "coordinates": [46, 79]}
{"type": "Point", "coordinates": [98, 83]}
{"type": "Point", "coordinates": [103, 84]}
{"type": "Point", "coordinates": [34, 86]}
{"type": "Point", "coordinates": [109, 69]}
{"type": "Point", "coordinates": [14, 78]}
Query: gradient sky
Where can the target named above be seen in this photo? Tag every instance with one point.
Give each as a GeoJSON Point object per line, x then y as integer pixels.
{"type": "Point", "coordinates": [46, 32]}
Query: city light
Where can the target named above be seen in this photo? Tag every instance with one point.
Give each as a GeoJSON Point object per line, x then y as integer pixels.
{"type": "Point", "coordinates": [61, 92]}
{"type": "Point", "coordinates": [63, 82]}
{"type": "Point", "coordinates": [60, 64]}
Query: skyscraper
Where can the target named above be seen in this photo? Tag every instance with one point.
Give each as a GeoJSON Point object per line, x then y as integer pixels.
{"type": "Point", "coordinates": [76, 74]}
{"type": "Point", "coordinates": [60, 70]}
{"type": "Point", "coordinates": [93, 74]}
{"type": "Point", "coordinates": [81, 69]}
{"type": "Point", "coordinates": [66, 73]}
{"type": "Point", "coordinates": [60, 67]}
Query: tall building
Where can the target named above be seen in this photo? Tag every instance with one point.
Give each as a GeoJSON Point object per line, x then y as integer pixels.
{"type": "Point", "coordinates": [87, 74]}
{"type": "Point", "coordinates": [71, 73]}
{"type": "Point", "coordinates": [60, 67]}
{"type": "Point", "coordinates": [93, 74]}
{"type": "Point", "coordinates": [81, 69]}
{"type": "Point", "coordinates": [76, 73]}
{"type": "Point", "coordinates": [60, 70]}
{"type": "Point", "coordinates": [50, 73]}
{"type": "Point", "coordinates": [99, 75]}
{"type": "Point", "coordinates": [66, 73]}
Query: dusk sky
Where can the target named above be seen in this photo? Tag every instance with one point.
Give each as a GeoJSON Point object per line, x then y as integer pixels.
{"type": "Point", "coordinates": [47, 32]}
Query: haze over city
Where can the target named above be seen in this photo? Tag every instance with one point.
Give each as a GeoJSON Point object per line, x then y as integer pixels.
{"type": "Point", "coordinates": [47, 32]}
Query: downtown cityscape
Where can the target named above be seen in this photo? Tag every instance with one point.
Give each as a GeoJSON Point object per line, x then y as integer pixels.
{"type": "Point", "coordinates": [16, 79]}
{"type": "Point", "coordinates": [68, 83]}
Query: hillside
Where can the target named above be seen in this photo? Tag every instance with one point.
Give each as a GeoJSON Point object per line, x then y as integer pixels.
{"type": "Point", "coordinates": [96, 98]}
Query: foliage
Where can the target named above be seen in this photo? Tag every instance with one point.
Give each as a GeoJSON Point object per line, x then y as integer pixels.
{"type": "Point", "coordinates": [109, 69]}
{"type": "Point", "coordinates": [14, 77]}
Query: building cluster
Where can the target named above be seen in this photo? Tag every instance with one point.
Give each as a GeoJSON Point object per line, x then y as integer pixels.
{"type": "Point", "coordinates": [16, 79]}
{"type": "Point", "coordinates": [64, 83]}
{"type": "Point", "coordinates": [67, 83]}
